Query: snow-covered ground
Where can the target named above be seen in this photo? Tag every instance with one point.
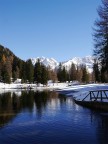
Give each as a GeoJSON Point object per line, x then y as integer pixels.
{"type": "Point", "coordinates": [18, 87]}
{"type": "Point", "coordinates": [33, 86]}
{"type": "Point", "coordinates": [79, 92]}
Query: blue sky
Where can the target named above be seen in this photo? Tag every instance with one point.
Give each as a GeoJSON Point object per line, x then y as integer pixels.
{"type": "Point", "coordinates": [61, 29]}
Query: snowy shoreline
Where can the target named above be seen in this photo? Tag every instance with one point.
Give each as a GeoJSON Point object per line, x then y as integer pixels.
{"type": "Point", "coordinates": [60, 86]}
{"type": "Point", "coordinates": [78, 92]}
{"type": "Point", "coordinates": [32, 86]}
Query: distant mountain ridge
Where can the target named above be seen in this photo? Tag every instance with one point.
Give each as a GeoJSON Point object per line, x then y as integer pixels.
{"type": "Point", "coordinates": [48, 62]}
{"type": "Point", "coordinates": [53, 64]}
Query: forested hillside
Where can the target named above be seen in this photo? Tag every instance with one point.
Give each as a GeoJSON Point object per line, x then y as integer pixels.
{"type": "Point", "coordinates": [10, 65]}
{"type": "Point", "coordinates": [12, 68]}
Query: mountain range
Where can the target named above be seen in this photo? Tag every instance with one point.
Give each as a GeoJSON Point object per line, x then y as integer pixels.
{"type": "Point", "coordinates": [53, 64]}
{"type": "Point", "coordinates": [5, 53]}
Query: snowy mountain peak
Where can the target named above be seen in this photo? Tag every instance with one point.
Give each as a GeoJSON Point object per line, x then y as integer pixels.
{"type": "Point", "coordinates": [48, 62]}
{"type": "Point", "coordinates": [88, 61]}
{"type": "Point", "coordinates": [52, 63]}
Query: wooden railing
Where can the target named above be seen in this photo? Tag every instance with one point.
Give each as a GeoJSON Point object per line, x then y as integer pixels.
{"type": "Point", "coordinates": [97, 95]}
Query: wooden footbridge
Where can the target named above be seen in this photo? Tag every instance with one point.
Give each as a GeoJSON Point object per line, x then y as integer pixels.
{"type": "Point", "coordinates": [96, 99]}
{"type": "Point", "coordinates": [97, 95]}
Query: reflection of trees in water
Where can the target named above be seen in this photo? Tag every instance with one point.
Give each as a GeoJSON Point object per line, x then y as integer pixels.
{"type": "Point", "coordinates": [11, 104]}
{"type": "Point", "coordinates": [27, 100]}
{"type": "Point", "coordinates": [62, 99]}
{"type": "Point", "coordinates": [100, 121]}
{"type": "Point", "coordinates": [102, 129]}
{"type": "Point", "coordinates": [40, 100]}
{"type": "Point", "coordinates": [6, 108]}
{"type": "Point", "coordinates": [43, 99]}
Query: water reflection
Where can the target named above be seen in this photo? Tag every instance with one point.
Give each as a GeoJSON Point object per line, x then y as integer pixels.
{"type": "Point", "coordinates": [11, 104]}
{"type": "Point", "coordinates": [54, 118]}
{"type": "Point", "coordinates": [102, 129]}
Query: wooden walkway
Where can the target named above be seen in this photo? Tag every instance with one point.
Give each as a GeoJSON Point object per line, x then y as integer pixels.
{"type": "Point", "coordinates": [97, 95]}
{"type": "Point", "coordinates": [97, 99]}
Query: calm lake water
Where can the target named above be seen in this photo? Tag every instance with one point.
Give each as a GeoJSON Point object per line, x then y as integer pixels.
{"type": "Point", "coordinates": [47, 117]}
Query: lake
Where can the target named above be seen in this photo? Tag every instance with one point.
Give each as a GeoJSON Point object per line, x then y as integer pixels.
{"type": "Point", "coordinates": [46, 117]}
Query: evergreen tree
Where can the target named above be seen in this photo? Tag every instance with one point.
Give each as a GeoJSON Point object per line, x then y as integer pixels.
{"type": "Point", "coordinates": [59, 72]}
{"type": "Point", "coordinates": [37, 72]}
{"type": "Point", "coordinates": [96, 71]}
{"type": "Point", "coordinates": [23, 73]}
{"type": "Point", "coordinates": [72, 72]}
{"type": "Point", "coordinates": [5, 75]}
{"type": "Point", "coordinates": [7, 71]}
{"type": "Point", "coordinates": [29, 71]}
{"type": "Point", "coordinates": [17, 68]}
{"type": "Point", "coordinates": [64, 75]}
{"type": "Point", "coordinates": [14, 65]}
{"type": "Point", "coordinates": [85, 75]}
{"type": "Point", "coordinates": [44, 75]}
{"type": "Point", "coordinates": [16, 73]}
{"type": "Point", "coordinates": [104, 74]}
{"type": "Point", "coordinates": [101, 37]}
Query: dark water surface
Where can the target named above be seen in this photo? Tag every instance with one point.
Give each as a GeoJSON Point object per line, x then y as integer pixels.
{"type": "Point", "coordinates": [49, 118]}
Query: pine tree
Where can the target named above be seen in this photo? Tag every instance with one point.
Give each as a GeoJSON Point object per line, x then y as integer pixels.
{"type": "Point", "coordinates": [5, 75]}
{"type": "Point", "coordinates": [16, 69]}
{"type": "Point", "coordinates": [85, 75]}
{"type": "Point", "coordinates": [16, 73]}
{"type": "Point", "coordinates": [23, 73]}
{"type": "Point", "coordinates": [7, 71]}
{"type": "Point", "coordinates": [29, 71]}
{"type": "Point", "coordinates": [72, 72]}
{"type": "Point", "coordinates": [64, 75]}
{"type": "Point", "coordinates": [101, 37]}
{"type": "Point", "coordinates": [59, 72]}
{"type": "Point", "coordinates": [96, 71]}
{"type": "Point", "coordinates": [44, 75]}
{"type": "Point", "coordinates": [37, 72]}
